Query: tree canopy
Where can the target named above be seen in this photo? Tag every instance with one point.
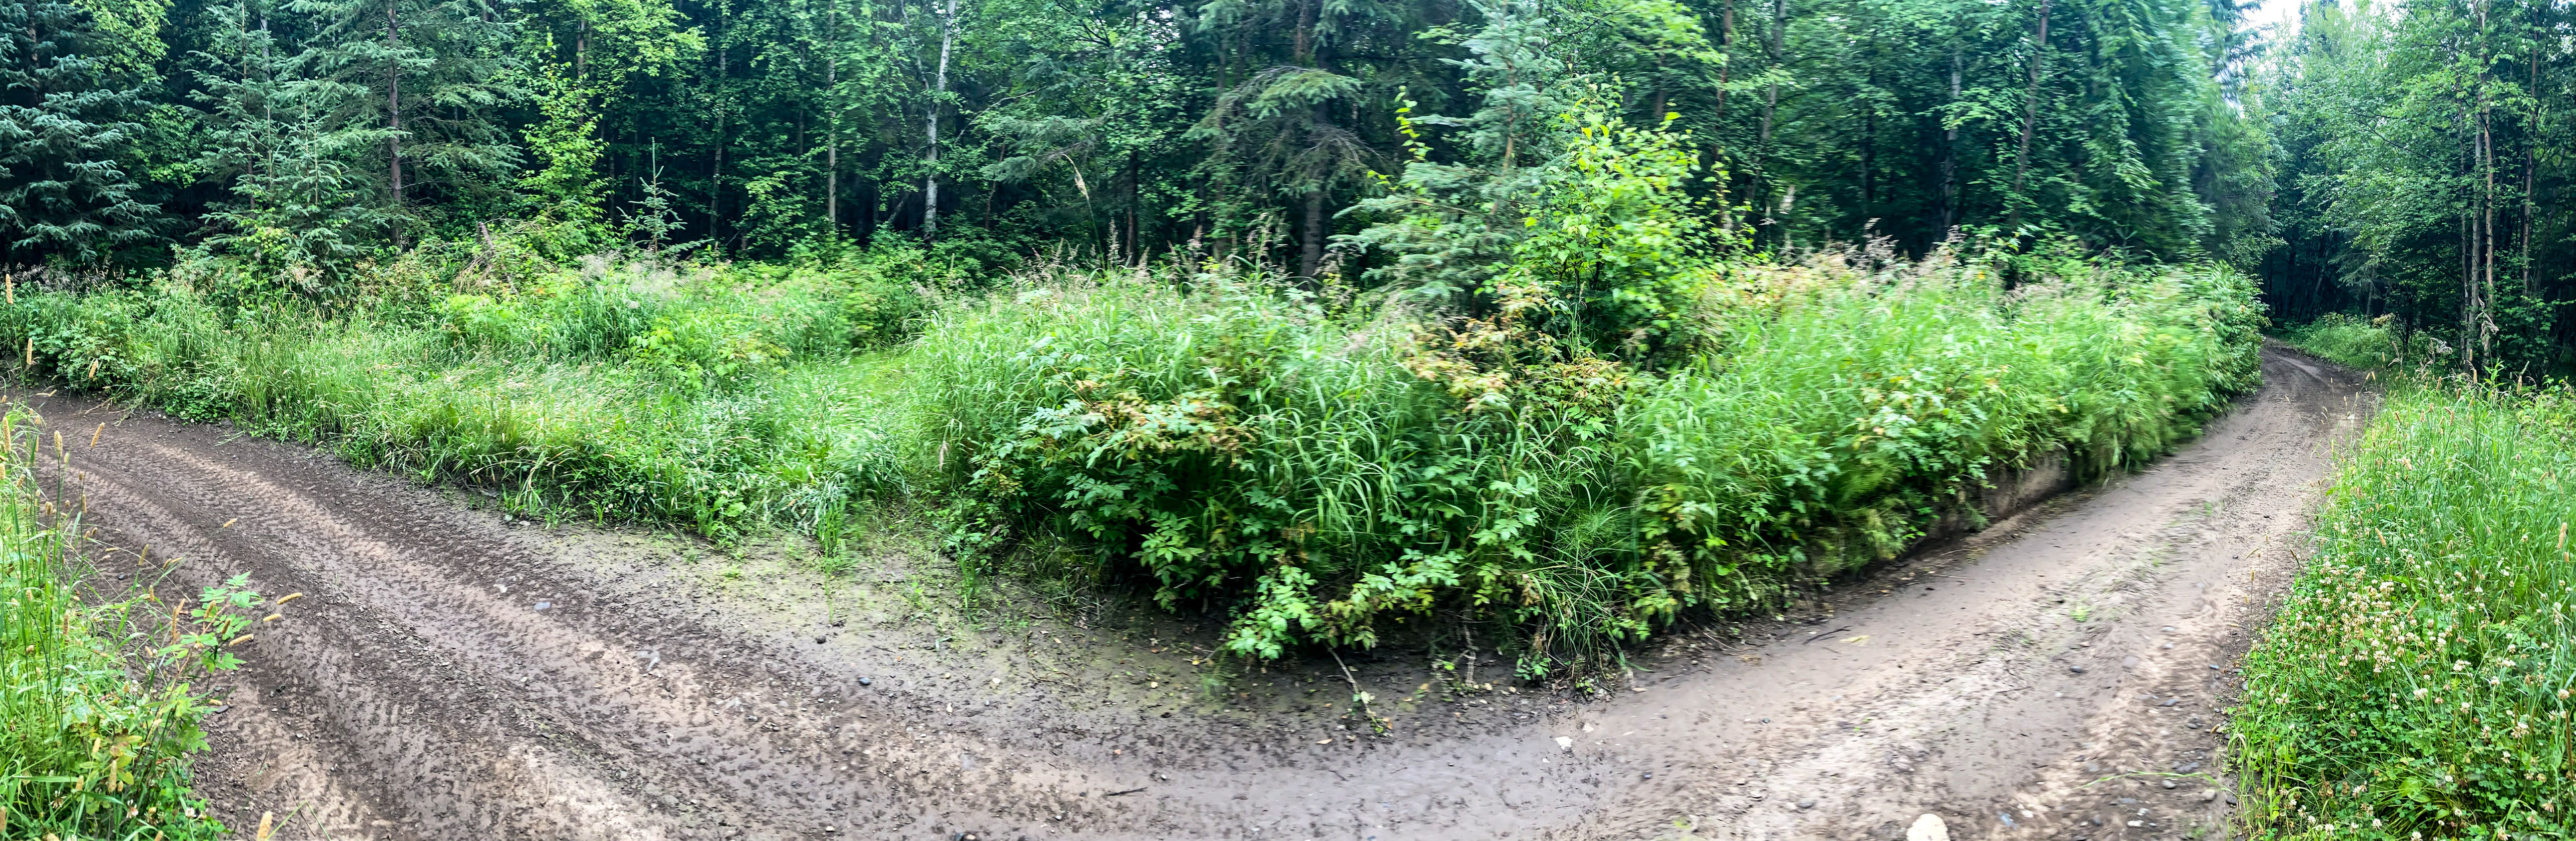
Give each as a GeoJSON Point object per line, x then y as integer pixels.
{"type": "Point", "coordinates": [312, 133]}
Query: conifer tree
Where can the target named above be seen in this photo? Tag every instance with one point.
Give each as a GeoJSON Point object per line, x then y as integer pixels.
{"type": "Point", "coordinates": [66, 140]}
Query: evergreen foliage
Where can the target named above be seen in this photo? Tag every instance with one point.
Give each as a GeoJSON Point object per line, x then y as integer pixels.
{"type": "Point", "coordinates": [1132, 127]}
{"type": "Point", "coordinates": [66, 138]}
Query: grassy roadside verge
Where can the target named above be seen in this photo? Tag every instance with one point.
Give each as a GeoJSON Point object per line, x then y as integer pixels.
{"type": "Point", "coordinates": [1296, 462]}
{"type": "Point", "coordinates": [1316, 467]}
{"type": "Point", "coordinates": [100, 717]}
{"type": "Point", "coordinates": [2417, 681]}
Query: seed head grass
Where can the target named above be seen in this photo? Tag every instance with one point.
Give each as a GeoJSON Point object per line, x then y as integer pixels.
{"type": "Point", "coordinates": [98, 712]}
{"type": "Point", "coordinates": [2416, 682]}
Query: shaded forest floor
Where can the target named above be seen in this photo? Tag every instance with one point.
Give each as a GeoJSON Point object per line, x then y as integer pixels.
{"type": "Point", "coordinates": [453, 672]}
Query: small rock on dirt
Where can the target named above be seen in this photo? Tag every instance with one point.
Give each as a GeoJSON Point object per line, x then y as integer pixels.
{"type": "Point", "coordinates": [1928, 828]}
{"type": "Point", "coordinates": [1808, 803]}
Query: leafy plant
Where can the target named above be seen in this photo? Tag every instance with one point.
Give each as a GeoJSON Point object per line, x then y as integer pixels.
{"type": "Point", "coordinates": [102, 716]}
{"type": "Point", "coordinates": [2416, 682]}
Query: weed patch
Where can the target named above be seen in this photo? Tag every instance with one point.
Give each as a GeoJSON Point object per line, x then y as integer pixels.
{"type": "Point", "coordinates": [100, 713]}
{"type": "Point", "coordinates": [1307, 473]}
{"type": "Point", "coordinates": [2416, 683]}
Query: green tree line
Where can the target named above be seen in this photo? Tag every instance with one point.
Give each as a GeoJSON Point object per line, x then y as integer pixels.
{"type": "Point", "coordinates": [298, 136]}
{"type": "Point", "coordinates": [2423, 166]}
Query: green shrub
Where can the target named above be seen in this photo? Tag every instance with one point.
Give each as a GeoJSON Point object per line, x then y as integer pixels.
{"type": "Point", "coordinates": [2416, 682]}
{"type": "Point", "coordinates": [1313, 474]}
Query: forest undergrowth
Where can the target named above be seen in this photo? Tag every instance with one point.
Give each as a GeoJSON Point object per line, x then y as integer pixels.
{"type": "Point", "coordinates": [97, 679]}
{"type": "Point", "coordinates": [1313, 464]}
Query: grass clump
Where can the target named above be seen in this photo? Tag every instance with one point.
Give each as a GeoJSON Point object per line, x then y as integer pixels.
{"type": "Point", "coordinates": [100, 717]}
{"type": "Point", "coordinates": [2416, 683]}
{"type": "Point", "coordinates": [2365, 344]}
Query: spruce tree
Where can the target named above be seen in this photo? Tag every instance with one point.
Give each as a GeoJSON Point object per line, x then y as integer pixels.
{"type": "Point", "coordinates": [66, 143]}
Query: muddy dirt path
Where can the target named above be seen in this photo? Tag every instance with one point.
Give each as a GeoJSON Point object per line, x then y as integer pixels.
{"type": "Point", "coordinates": [456, 673]}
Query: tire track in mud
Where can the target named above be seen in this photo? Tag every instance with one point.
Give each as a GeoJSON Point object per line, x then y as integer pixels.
{"type": "Point", "coordinates": [2045, 679]}
{"type": "Point", "coordinates": [454, 674]}
{"type": "Point", "coordinates": [452, 703]}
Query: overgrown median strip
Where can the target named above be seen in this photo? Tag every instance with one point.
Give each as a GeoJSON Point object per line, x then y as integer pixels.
{"type": "Point", "coordinates": [1316, 472]}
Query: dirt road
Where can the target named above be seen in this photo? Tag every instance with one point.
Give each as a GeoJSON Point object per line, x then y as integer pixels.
{"type": "Point", "coordinates": [453, 673]}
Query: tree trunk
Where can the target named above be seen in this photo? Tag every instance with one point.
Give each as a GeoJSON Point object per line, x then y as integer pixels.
{"type": "Point", "coordinates": [1135, 206]}
{"type": "Point", "coordinates": [1716, 152]}
{"type": "Point", "coordinates": [2530, 161]}
{"type": "Point", "coordinates": [867, 200]}
{"type": "Point", "coordinates": [939, 92]}
{"type": "Point", "coordinates": [1773, 50]}
{"type": "Point", "coordinates": [1770, 106]}
{"type": "Point", "coordinates": [1950, 150]}
{"type": "Point", "coordinates": [1305, 37]}
{"type": "Point", "coordinates": [1311, 256]}
{"type": "Point", "coordinates": [2486, 267]}
{"type": "Point", "coordinates": [2468, 294]}
{"type": "Point", "coordinates": [832, 148]}
{"type": "Point", "coordinates": [715, 171]}
{"type": "Point", "coordinates": [2486, 230]}
{"type": "Point", "coordinates": [1868, 147]}
{"type": "Point", "coordinates": [2029, 115]}
{"type": "Point", "coordinates": [1725, 53]}
{"type": "Point", "coordinates": [393, 104]}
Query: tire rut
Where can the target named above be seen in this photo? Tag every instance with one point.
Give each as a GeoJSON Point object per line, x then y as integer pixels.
{"type": "Point", "coordinates": [423, 686]}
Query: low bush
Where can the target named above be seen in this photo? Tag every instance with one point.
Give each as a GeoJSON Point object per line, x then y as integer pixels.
{"type": "Point", "coordinates": [100, 717]}
{"type": "Point", "coordinates": [2416, 682]}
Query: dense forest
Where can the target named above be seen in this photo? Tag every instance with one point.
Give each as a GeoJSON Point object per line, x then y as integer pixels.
{"type": "Point", "coordinates": [320, 133]}
{"type": "Point", "coordinates": [2421, 167]}
{"type": "Point", "coordinates": [2390, 159]}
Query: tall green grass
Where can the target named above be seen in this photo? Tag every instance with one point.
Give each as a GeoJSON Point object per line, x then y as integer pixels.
{"type": "Point", "coordinates": [2416, 683]}
{"type": "Point", "coordinates": [723, 400]}
{"type": "Point", "coordinates": [1310, 465]}
{"type": "Point", "coordinates": [1250, 451]}
{"type": "Point", "coordinates": [2367, 344]}
{"type": "Point", "coordinates": [97, 715]}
